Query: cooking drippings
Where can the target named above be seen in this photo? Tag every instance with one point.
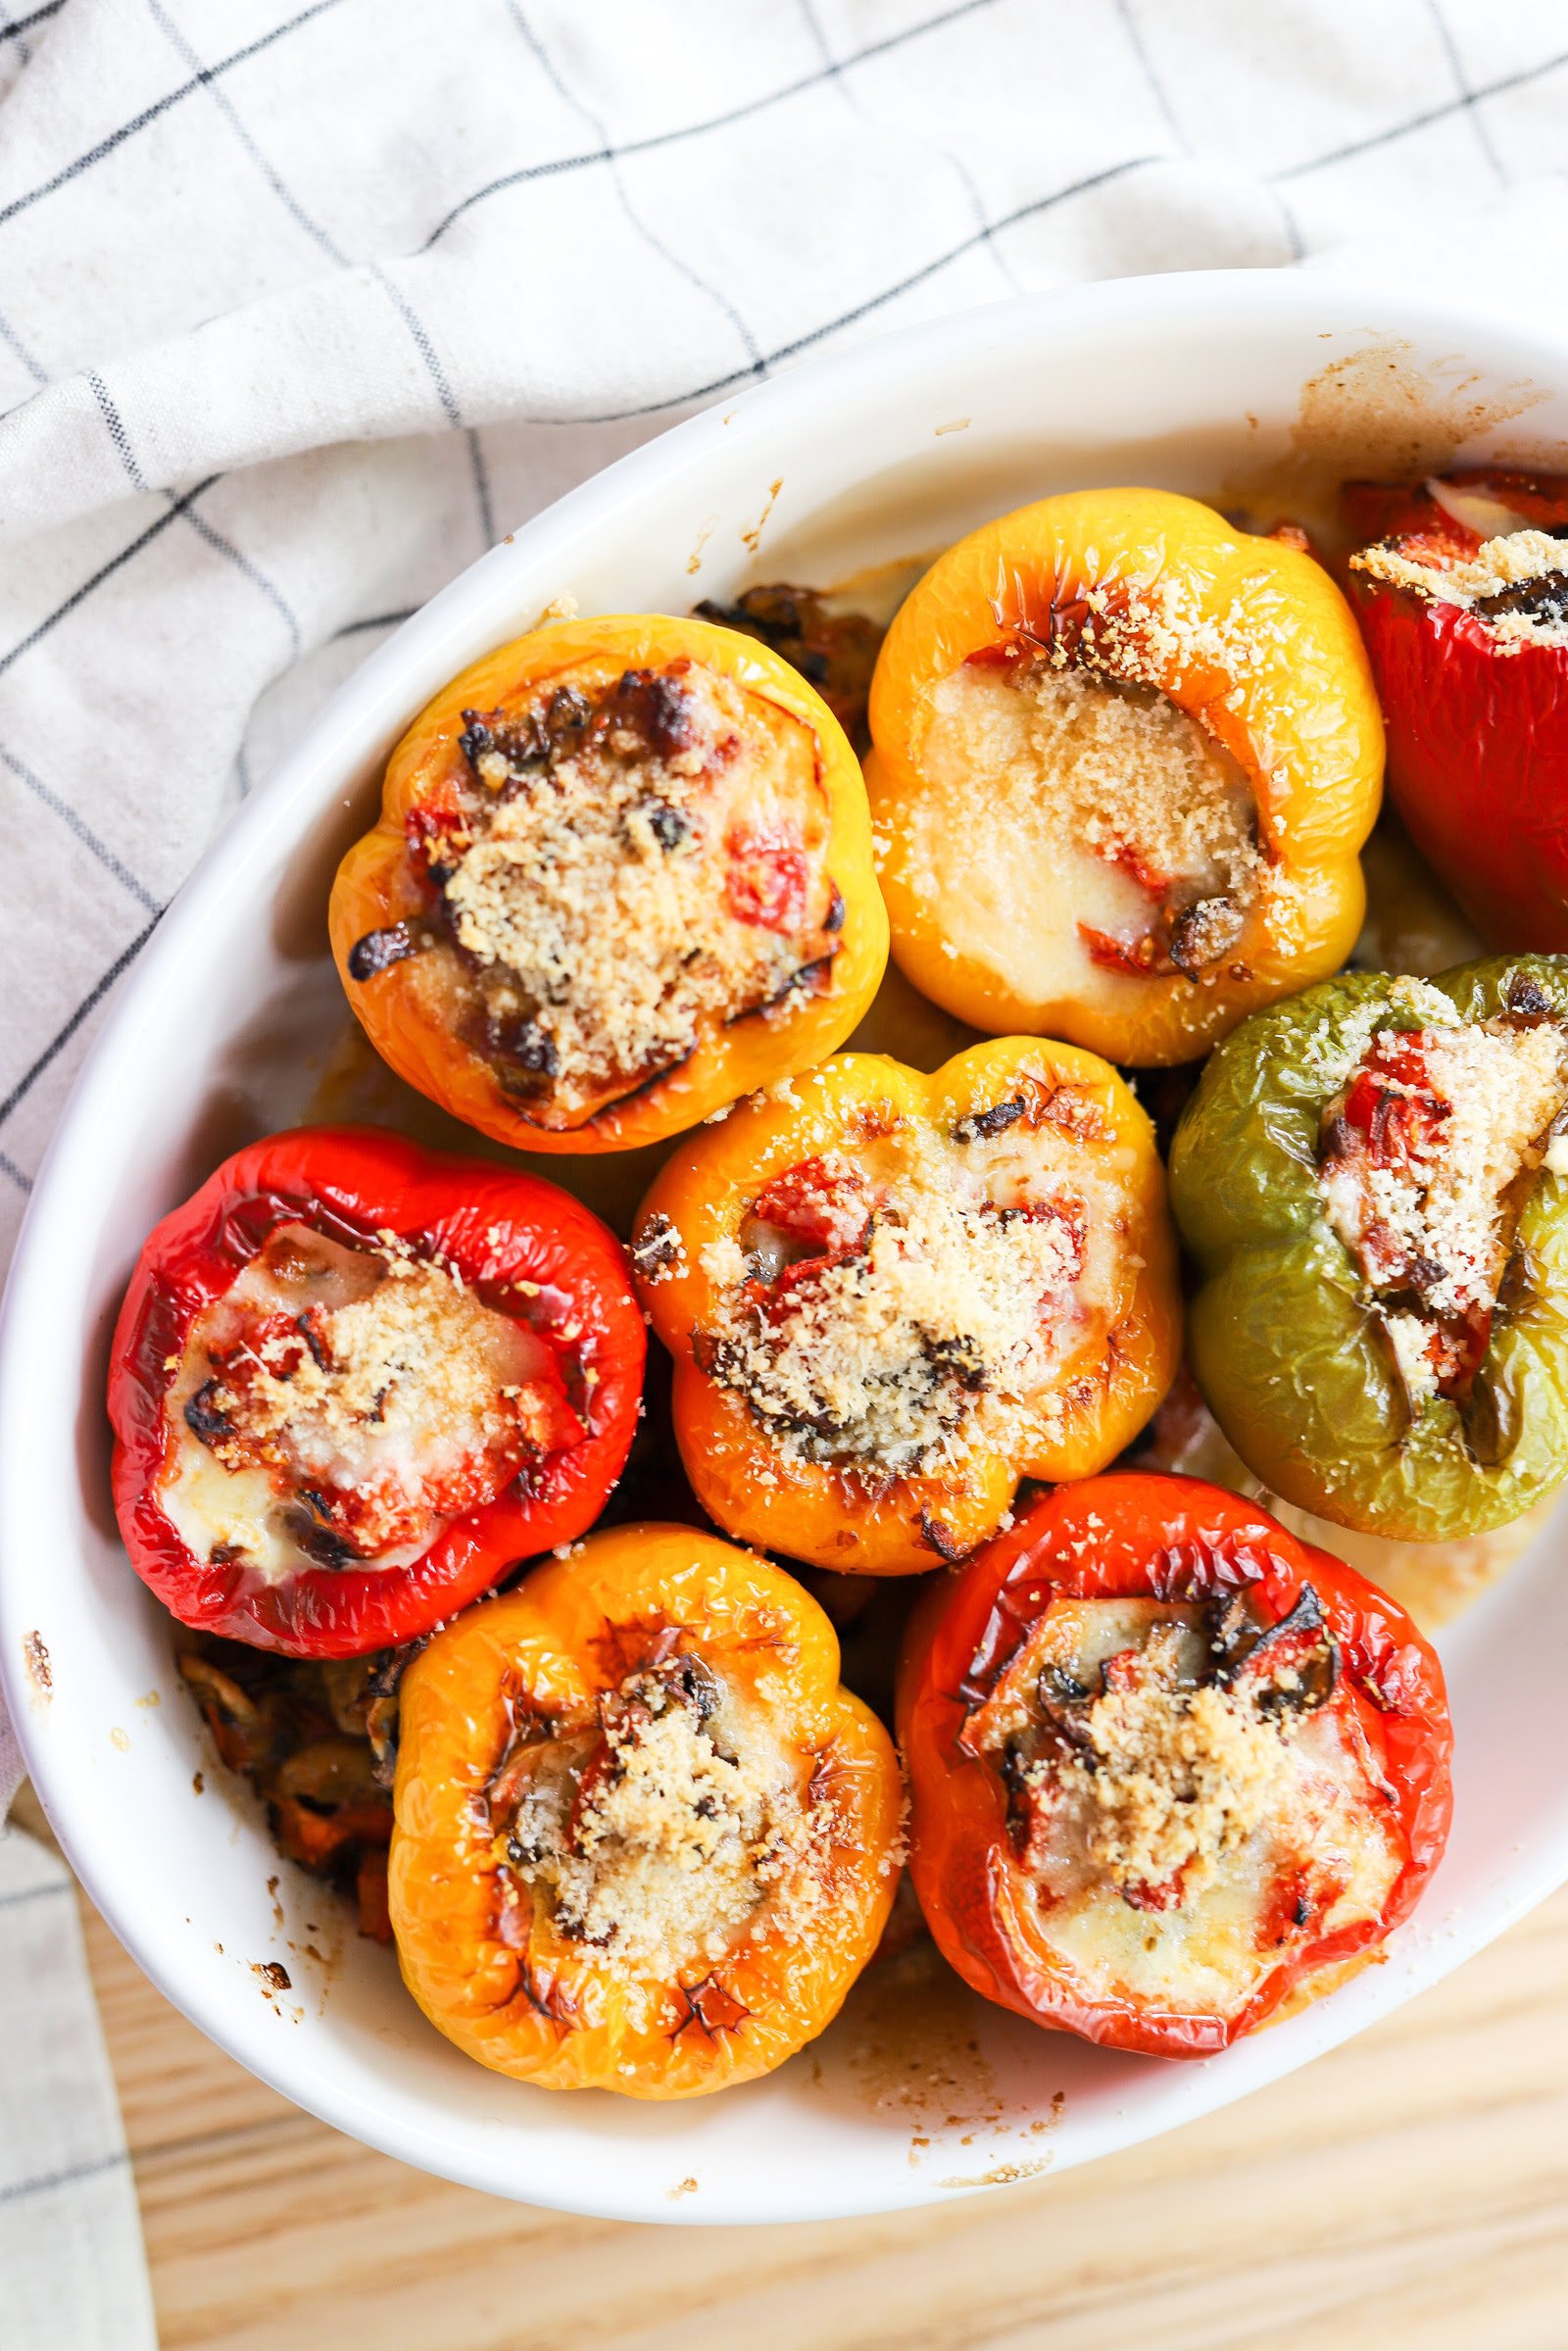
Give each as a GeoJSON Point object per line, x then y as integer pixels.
{"type": "Point", "coordinates": [620, 871]}
{"type": "Point", "coordinates": [1424, 1155]}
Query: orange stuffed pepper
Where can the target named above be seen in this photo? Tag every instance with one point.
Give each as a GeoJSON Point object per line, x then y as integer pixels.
{"type": "Point", "coordinates": [644, 1841]}
{"type": "Point", "coordinates": [892, 1296]}
{"type": "Point", "coordinates": [1125, 757]}
{"type": "Point", "coordinates": [623, 875]}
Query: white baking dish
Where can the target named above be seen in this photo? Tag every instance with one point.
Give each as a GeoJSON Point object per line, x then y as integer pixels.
{"type": "Point", "coordinates": [877, 453]}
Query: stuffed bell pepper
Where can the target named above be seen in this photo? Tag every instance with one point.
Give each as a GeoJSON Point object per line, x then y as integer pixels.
{"type": "Point", "coordinates": [1373, 1180]}
{"type": "Point", "coordinates": [353, 1382]}
{"type": "Point", "coordinates": [1463, 602]}
{"type": "Point", "coordinates": [1167, 1765]}
{"type": "Point", "coordinates": [644, 1839]}
{"type": "Point", "coordinates": [623, 875]}
{"type": "Point", "coordinates": [1125, 757]}
{"type": "Point", "coordinates": [891, 1297]}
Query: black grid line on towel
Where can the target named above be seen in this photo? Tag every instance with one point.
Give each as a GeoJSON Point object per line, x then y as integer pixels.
{"type": "Point", "coordinates": [68, 1029]}
{"type": "Point", "coordinates": [1465, 104]}
{"type": "Point", "coordinates": [417, 332]}
{"type": "Point", "coordinates": [649, 235]}
{"type": "Point", "coordinates": [205, 78]}
{"type": "Point", "coordinates": [77, 825]}
{"type": "Point", "coordinates": [839, 74]}
{"type": "Point", "coordinates": [656, 139]}
{"type": "Point", "coordinates": [1478, 125]}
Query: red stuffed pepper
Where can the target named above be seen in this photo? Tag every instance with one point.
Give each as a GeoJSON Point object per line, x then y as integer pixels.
{"type": "Point", "coordinates": [353, 1381]}
{"type": "Point", "coordinates": [1462, 598]}
{"type": "Point", "coordinates": [1167, 1764]}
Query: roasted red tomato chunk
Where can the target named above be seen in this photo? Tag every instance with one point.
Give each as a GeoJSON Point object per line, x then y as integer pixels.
{"type": "Point", "coordinates": [353, 1382]}
{"type": "Point", "coordinates": [1167, 1764]}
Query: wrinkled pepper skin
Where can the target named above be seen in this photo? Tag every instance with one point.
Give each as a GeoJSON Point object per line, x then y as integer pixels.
{"type": "Point", "coordinates": [497, 1228]}
{"type": "Point", "coordinates": [1171, 1539]}
{"type": "Point", "coordinates": [513, 1992]}
{"type": "Point", "coordinates": [1288, 1356]}
{"type": "Point", "coordinates": [815, 1511]}
{"type": "Point", "coordinates": [1478, 737]}
{"type": "Point", "coordinates": [377, 887]}
{"type": "Point", "coordinates": [1301, 721]}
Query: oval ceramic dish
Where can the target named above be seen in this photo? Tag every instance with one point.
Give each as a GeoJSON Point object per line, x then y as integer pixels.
{"type": "Point", "coordinates": [883, 452]}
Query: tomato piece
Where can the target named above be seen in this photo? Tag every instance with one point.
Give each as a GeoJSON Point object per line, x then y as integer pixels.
{"type": "Point", "coordinates": [823, 1206]}
{"type": "Point", "coordinates": [768, 883]}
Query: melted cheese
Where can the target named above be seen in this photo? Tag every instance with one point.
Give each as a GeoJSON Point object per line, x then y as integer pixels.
{"type": "Point", "coordinates": [670, 1835]}
{"type": "Point", "coordinates": [1183, 1774]}
{"type": "Point", "coordinates": [1049, 785]}
{"type": "Point", "coordinates": [422, 1400]}
{"type": "Point", "coordinates": [987, 1267]}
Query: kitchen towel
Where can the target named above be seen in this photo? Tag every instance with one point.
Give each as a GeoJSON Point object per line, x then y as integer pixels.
{"type": "Point", "coordinates": [301, 306]}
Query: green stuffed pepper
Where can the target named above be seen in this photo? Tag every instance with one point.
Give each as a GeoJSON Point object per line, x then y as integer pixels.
{"type": "Point", "coordinates": [1373, 1180]}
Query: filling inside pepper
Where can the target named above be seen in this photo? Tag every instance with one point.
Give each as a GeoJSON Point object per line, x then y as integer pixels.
{"type": "Point", "coordinates": [617, 874]}
{"type": "Point", "coordinates": [662, 1824]}
{"type": "Point", "coordinates": [837, 651]}
{"type": "Point", "coordinates": [340, 1407]}
{"type": "Point", "coordinates": [1425, 1156]}
{"type": "Point", "coordinates": [1516, 583]}
{"type": "Point", "coordinates": [1116, 833]}
{"type": "Point", "coordinates": [1190, 1794]}
{"type": "Point", "coordinates": [893, 1310]}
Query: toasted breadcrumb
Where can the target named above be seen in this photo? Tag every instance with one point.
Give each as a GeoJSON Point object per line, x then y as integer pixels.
{"type": "Point", "coordinates": [904, 1352]}
{"type": "Point", "coordinates": [692, 1826]}
{"type": "Point", "coordinates": [592, 892]}
{"type": "Point", "coordinates": [1513, 559]}
{"type": "Point", "coordinates": [1179, 1777]}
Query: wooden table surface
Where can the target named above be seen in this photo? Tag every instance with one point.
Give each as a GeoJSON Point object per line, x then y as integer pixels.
{"type": "Point", "coordinates": [1409, 2190]}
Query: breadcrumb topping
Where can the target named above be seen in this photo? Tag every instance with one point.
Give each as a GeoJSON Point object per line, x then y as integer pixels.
{"type": "Point", "coordinates": [668, 1828]}
{"type": "Point", "coordinates": [1174, 1776]}
{"type": "Point", "coordinates": [1517, 584]}
{"type": "Point", "coordinates": [625, 873]}
{"type": "Point", "coordinates": [1421, 1153]}
{"type": "Point", "coordinates": [907, 1346]}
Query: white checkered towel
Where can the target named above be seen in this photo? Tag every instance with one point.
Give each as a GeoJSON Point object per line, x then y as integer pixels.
{"type": "Point", "coordinates": [300, 306]}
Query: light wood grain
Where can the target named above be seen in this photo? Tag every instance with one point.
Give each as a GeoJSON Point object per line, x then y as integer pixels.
{"type": "Point", "coordinates": [1412, 2189]}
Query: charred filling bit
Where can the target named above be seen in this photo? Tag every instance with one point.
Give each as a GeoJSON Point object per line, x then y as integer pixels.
{"type": "Point", "coordinates": [1426, 1156]}
{"type": "Point", "coordinates": [835, 651]}
{"type": "Point", "coordinates": [889, 1326]}
{"type": "Point", "coordinates": [1517, 584]}
{"type": "Point", "coordinates": [661, 1826]}
{"type": "Point", "coordinates": [318, 1740]}
{"type": "Point", "coordinates": [1145, 1768]}
{"type": "Point", "coordinates": [1107, 771]}
{"type": "Point", "coordinates": [621, 872]}
{"type": "Point", "coordinates": [340, 1405]}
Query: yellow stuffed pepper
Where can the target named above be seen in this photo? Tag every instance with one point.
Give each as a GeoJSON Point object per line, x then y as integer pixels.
{"type": "Point", "coordinates": [892, 1296]}
{"type": "Point", "coordinates": [1125, 758]}
{"type": "Point", "coordinates": [623, 875]}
